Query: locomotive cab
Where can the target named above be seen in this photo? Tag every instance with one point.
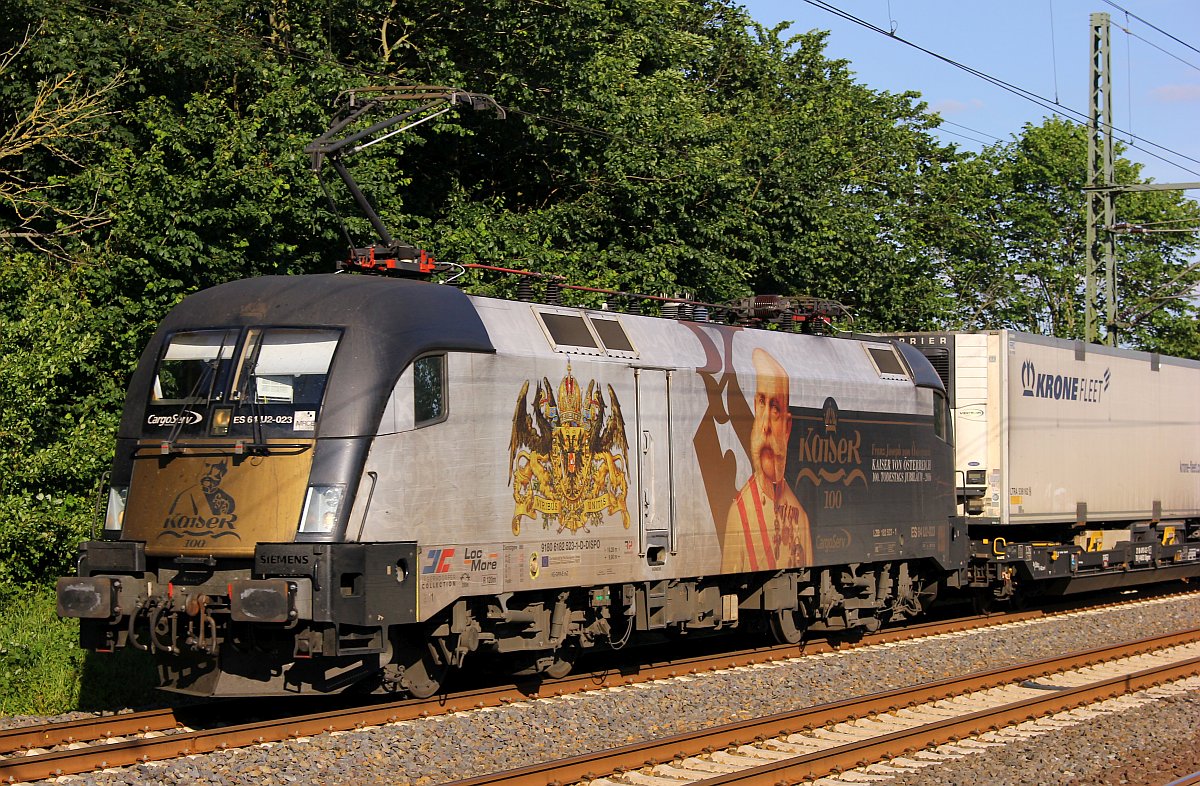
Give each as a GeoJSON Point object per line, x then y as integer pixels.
{"type": "Point", "coordinates": [227, 548]}
{"type": "Point", "coordinates": [229, 428]}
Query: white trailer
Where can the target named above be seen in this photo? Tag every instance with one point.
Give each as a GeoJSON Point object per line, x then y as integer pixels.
{"type": "Point", "coordinates": [1056, 431]}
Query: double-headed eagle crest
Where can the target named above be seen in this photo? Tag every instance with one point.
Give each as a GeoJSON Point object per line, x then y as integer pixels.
{"type": "Point", "coordinates": [568, 456]}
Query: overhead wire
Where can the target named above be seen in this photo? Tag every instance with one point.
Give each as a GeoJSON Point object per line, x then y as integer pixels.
{"type": "Point", "coordinates": [1167, 221]}
{"type": "Point", "coordinates": [1127, 12]}
{"type": "Point", "coordinates": [1150, 43]}
{"type": "Point", "coordinates": [994, 139]}
{"type": "Point", "coordinates": [1053, 49]}
{"type": "Point", "coordinates": [1072, 115]}
{"type": "Point", "coordinates": [1128, 74]}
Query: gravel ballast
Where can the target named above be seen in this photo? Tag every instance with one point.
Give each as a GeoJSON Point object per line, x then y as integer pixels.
{"type": "Point", "coordinates": [438, 750]}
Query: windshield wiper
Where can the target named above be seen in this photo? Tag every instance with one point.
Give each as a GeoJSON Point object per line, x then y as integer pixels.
{"type": "Point", "coordinates": [210, 373]}
{"type": "Point", "coordinates": [249, 389]}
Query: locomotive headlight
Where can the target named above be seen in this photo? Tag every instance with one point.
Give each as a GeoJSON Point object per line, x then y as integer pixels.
{"type": "Point", "coordinates": [114, 517]}
{"type": "Point", "coordinates": [221, 417]}
{"type": "Point", "coordinates": [321, 508]}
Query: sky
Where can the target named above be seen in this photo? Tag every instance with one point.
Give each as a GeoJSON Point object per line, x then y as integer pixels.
{"type": "Point", "coordinates": [1038, 46]}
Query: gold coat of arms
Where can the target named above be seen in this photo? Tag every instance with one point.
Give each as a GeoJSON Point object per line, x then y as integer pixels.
{"type": "Point", "coordinates": [568, 456]}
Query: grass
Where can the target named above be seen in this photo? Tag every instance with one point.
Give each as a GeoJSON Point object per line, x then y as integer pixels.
{"type": "Point", "coordinates": [44, 672]}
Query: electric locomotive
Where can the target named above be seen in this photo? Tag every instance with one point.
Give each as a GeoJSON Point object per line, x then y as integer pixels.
{"type": "Point", "coordinates": [343, 481]}
{"type": "Point", "coordinates": [336, 481]}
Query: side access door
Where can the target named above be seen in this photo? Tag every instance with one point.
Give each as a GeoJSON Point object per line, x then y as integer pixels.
{"type": "Point", "coordinates": [656, 498]}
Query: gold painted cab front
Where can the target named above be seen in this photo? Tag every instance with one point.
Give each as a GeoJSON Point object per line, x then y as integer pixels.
{"type": "Point", "coordinates": [199, 501]}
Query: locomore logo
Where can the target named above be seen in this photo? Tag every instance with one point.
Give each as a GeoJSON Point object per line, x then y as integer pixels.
{"type": "Point", "coordinates": [568, 456]}
{"type": "Point", "coordinates": [203, 511]}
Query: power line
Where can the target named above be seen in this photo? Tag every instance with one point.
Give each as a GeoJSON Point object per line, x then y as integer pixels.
{"type": "Point", "coordinates": [1053, 48]}
{"type": "Point", "coordinates": [1128, 75]}
{"type": "Point", "coordinates": [962, 136]}
{"type": "Point", "coordinates": [1132, 34]}
{"type": "Point", "coordinates": [1042, 101]}
{"type": "Point", "coordinates": [994, 139]}
{"type": "Point", "coordinates": [1148, 24]}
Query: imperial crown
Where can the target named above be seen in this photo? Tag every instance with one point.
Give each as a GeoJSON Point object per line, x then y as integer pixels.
{"type": "Point", "coordinates": [570, 399]}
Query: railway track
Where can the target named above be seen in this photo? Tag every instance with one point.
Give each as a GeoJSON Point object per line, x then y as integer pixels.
{"type": "Point", "coordinates": [50, 750]}
{"type": "Point", "coordinates": [820, 741]}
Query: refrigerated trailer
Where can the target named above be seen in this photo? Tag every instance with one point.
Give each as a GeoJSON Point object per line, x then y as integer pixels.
{"type": "Point", "coordinates": [1064, 443]}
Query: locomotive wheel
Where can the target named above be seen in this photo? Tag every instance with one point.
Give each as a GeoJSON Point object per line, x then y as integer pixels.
{"type": "Point", "coordinates": [787, 626]}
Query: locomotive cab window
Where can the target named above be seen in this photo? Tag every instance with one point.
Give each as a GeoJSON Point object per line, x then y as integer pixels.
{"type": "Point", "coordinates": [429, 390]}
{"type": "Point", "coordinates": [192, 366]}
{"type": "Point", "coordinates": [941, 417]}
{"type": "Point", "coordinates": [285, 366]}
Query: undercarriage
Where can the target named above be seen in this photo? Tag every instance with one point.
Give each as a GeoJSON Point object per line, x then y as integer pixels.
{"type": "Point", "coordinates": [225, 629]}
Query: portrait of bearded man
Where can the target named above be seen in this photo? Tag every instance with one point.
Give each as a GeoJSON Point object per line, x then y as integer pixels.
{"type": "Point", "coordinates": [767, 527]}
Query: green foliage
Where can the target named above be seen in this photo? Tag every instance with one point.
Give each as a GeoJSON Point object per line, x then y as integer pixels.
{"type": "Point", "coordinates": [39, 662]}
{"type": "Point", "coordinates": [43, 672]}
{"type": "Point", "coordinates": [62, 400]}
{"type": "Point", "coordinates": [58, 372]}
{"type": "Point", "coordinates": [39, 535]}
{"type": "Point", "coordinates": [1023, 265]}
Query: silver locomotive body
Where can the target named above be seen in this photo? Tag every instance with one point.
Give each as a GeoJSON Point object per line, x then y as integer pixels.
{"type": "Point", "coordinates": [326, 481]}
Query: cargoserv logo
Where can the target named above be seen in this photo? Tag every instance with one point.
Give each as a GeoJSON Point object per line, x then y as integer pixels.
{"type": "Point", "coordinates": [1063, 387]}
{"type": "Point", "coordinates": [187, 417]}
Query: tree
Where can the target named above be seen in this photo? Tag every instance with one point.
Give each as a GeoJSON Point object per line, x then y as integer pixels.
{"type": "Point", "coordinates": [1024, 267]}
{"type": "Point", "coordinates": [703, 154]}
{"type": "Point", "coordinates": [57, 111]}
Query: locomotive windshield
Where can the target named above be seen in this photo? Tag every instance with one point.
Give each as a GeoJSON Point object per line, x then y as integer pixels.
{"type": "Point", "coordinates": [228, 381]}
{"type": "Point", "coordinates": [192, 365]}
{"type": "Point", "coordinates": [285, 366]}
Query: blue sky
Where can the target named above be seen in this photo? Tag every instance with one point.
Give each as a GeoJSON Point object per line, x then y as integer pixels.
{"type": "Point", "coordinates": [1040, 46]}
